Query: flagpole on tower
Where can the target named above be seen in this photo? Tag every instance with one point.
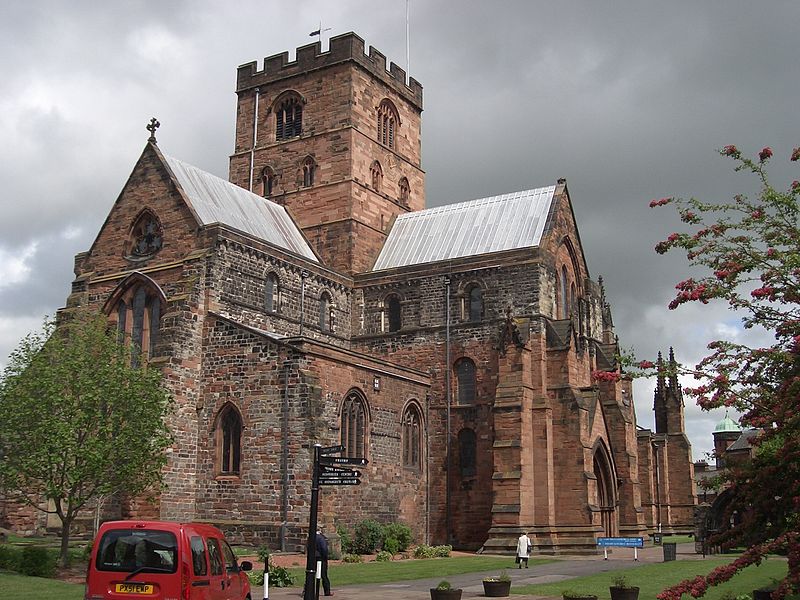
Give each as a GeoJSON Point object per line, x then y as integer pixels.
{"type": "Point", "coordinates": [319, 32]}
{"type": "Point", "coordinates": [408, 42]}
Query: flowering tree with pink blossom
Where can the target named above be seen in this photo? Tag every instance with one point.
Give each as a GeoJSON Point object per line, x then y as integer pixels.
{"type": "Point", "coordinates": [747, 252]}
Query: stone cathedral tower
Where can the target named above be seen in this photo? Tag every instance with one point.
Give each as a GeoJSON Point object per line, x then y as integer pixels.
{"type": "Point", "coordinates": [335, 138]}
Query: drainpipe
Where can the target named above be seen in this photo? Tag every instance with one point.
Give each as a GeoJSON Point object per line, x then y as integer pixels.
{"type": "Point", "coordinates": [255, 137]}
{"type": "Point", "coordinates": [287, 365]}
{"type": "Point", "coordinates": [303, 277]}
{"type": "Point", "coordinates": [447, 401]}
{"type": "Point", "coordinates": [427, 471]}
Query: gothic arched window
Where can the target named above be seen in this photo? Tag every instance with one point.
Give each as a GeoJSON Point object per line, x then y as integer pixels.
{"type": "Point", "coordinates": [272, 293]}
{"type": "Point", "coordinates": [309, 168]}
{"type": "Point", "coordinates": [465, 380]}
{"type": "Point", "coordinates": [289, 117]}
{"type": "Point", "coordinates": [354, 425]}
{"type": "Point", "coordinates": [137, 308]}
{"type": "Point", "coordinates": [394, 313]}
{"type": "Point", "coordinates": [325, 312]}
{"type": "Point", "coordinates": [229, 440]}
{"type": "Point", "coordinates": [388, 120]}
{"type": "Point", "coordinates": [267, 182]}
{"type": "Point", "coordinates": [564, 293]}
{"type": "Point", "coordinates": [145, 237]}
{"type": "Point", "coordinates": [376, 175]}
{"type": "Point", "coordinates": [412, 437]}
{"type": "Point", "coordinates": [467, 453]}
{"type": "Point", "coordinates": [404, 191]}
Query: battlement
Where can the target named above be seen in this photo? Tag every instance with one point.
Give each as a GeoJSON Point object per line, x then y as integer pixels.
{"type": "Point", "coordinates": [343, 48]}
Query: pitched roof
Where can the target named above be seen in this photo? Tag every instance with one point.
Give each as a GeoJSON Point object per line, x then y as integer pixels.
{"type": "Point", "coordinates": [215, 200]}
{"type": "Point", "coordinates": [469, 228]}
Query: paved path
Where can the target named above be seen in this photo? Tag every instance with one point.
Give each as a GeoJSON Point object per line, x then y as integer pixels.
{"type": "Point", "coordinates": [561, 569]}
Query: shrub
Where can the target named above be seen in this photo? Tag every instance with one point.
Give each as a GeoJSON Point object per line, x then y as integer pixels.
{"type": "Point", "coordinates": [10, 557]}
{"type": "Point", "coordinates": [352, 558]}
{"type": "Point", "coordinates": [263, 552]}
{"type": "Point", "coordinates": [37, 561]}
{"type": "Point", "coordinates": [423, 551]}
{"type": "Point", "coordinates": [391, 545]}
{"type": "Point", "coordinates": [621, 581]}
{"type": "Point", "coordinates": [399, 532]}
{"type": "Point", "coordinates": [442, 551]}
{"type": "Point", "coordinates": [444, 585]}
{"type": "Point", "coordinates": [280, 577]}
{"type": "Point", "coordinates": [346, 538]}
{"type": "Point", "coordinates": [383, 556]}
{"type": "Point", "coordinates": [367, 535]}
{"type": "Point", "coordinates": [256, 577]}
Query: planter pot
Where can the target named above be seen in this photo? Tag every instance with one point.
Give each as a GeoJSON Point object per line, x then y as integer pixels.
{"type": "Point", "coordinates": [445, 594]}
{"type": "Point", "coordinates": [762, 594]}
{"type": "Point", "coordinates": [496, 589]}
{"type": "Point", "coordinates": [626, 593]}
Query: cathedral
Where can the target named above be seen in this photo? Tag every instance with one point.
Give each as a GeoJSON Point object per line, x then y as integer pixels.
{"type": "Point", "coordinates": [464, 351]}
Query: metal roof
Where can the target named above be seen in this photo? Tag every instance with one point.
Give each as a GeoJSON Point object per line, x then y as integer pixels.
{"type": "Point", "coordinates": [467, 229]}
{"type": "Point", "coordinates": [215, 200]}
{"type": "Point", "coordinates": [727, 424]}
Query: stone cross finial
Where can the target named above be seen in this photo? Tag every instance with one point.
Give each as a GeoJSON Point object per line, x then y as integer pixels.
{"type": "Point", "coordinates": [154, 124]}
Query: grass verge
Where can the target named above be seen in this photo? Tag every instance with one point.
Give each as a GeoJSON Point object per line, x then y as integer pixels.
{"type": "Point", "coordinates": [405, 570]}
{"type": "Point", "coordinates": [652, 579]}
{"type": "Point", "coordinates": [20, 587]}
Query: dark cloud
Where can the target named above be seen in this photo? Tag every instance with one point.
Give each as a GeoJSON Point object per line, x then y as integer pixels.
{"type": "Point", "coordinates": [628, 102]}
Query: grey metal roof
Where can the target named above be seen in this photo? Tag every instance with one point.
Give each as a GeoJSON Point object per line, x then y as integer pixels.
{"type": "Point", "coordinates": [215, 200]}
{"type": "Point", "coordinates": [467, 229]}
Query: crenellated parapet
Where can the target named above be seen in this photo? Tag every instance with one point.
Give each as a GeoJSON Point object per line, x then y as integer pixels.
{"type": "Point", "coordinates": [343, 48]}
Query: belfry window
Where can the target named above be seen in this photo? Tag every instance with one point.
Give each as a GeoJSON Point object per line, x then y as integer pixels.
{"type": "Point", "coordinates": [376, 174]}
{"type": "Point", "coordinates": [394, 313]}
{"type": "Point", "coordinates": [267, 182]}
{"type": "Point", "coordinates": [354, 425]}
{"type": "Point", "coordinates": [289, 118]}
{"type": "Point", "coordinates": [326, 320]}
{"type": "Point", "coordinates": [475, 304]}
{"type": "Point", "coordinates": [465, 381]}
{"type": "Point", "coordinates": [387, 123]}
{"type": "Point", "coordinates": [412, 437]}
{"type": "Point", "coordinates": [229, 440]}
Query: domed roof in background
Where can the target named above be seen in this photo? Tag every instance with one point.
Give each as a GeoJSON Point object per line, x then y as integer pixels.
{"type": "Point", "coordinates": [727, 424]}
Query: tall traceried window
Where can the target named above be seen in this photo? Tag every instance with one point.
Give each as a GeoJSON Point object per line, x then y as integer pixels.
{"type": "Point", "coordinates": [376, 174]}
{"type": "Point", "coordinates": [272, 293]}
{"type": "Point", "coordinates": [404, 191]}
{"type": "Point", "coordinates": [465, 381]}
{"type": "Point", "coordinates": [467, 453]}
{"type": "Point", "coordinates": [412, 437]}
{"type": "Point", "coordinates": [394, 313]}
{"type": "Point", "coordinates": [354, 425]}
{"type": "Point", "coordinates": [289, 117]}
{"type": "Point", "coordinates": [136, 305]}
{"type": "Point", "coordinates": [229, 440]}
{"type": "Point", "coordinates": [388, 121]}
{"type": "Point", "coordinates": [309, 170]}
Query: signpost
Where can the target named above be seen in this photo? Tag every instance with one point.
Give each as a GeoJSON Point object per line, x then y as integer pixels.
{"type": "Point", "coordinates": [621, 542]}
{"type": "Point", "coordinates": [327, 470]}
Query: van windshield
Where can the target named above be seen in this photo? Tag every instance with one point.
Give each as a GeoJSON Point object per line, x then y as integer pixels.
{"type": "Point", "coordinates": [127, 550]}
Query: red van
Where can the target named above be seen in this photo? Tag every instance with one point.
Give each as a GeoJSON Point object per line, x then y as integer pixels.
{"type": "Point", "coordinates": [161, 560]}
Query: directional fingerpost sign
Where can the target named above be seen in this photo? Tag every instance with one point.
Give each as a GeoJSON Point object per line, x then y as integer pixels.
{"type": "Point", "coordinates": [342, 460]}
{"type": "Point", "coordinates": [328, 471]}
{"type": "Point", "coordinates": [331, 450]}
{"type": "Point", "coordinates": [339, 481]}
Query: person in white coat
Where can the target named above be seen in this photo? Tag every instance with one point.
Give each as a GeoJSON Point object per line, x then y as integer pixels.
{"type": "Point", "coordinates": [523, 550]}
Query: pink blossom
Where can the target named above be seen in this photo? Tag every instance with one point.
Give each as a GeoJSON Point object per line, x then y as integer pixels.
{"type": "Point", "coordinates": [762, 292]}
{"type": "Point", "coordinates": [607, 376]}
{"type": "Point", "coordinates": [765, 154]}
{"type": "Point", "coordinates": [757, 214]}
{"type": "Point", "coordinates": [662, 202]}
{"type": "Point", "coordinates": [646, 364]}
{"type": "Point", "coordinates": [795, 154]}
{"type": "Point", "coordinates": [795, 186]}
{"type": "Point", "coordinates": [730, 150]}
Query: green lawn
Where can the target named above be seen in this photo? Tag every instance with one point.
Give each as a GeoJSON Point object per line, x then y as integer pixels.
{"type": "Point", "coordinates": [653, 578]}
{"type": "Point", "coordinates": [19, 587]}
{"type": "Point", "coordinates": [678, 539]}
{"type": "Point", "coordinates": [404, 570]}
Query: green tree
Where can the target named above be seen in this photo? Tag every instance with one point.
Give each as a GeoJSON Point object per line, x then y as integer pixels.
{"type": "Point", "coordinates": [79, 422]}
{"type": "Point", "coordinates": [747, 253]}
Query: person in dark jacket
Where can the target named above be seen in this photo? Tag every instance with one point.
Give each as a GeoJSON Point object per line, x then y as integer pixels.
{"type": "Point", "coordinates": [322, 556]}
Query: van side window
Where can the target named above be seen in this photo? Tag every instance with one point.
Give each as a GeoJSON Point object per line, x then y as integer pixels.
{"type": "Point", "coordinates": [199, 562]}
{"type": "Point", "coordinates": [230, 558]}
{"type": "Point", "coordinates": [214, 553]}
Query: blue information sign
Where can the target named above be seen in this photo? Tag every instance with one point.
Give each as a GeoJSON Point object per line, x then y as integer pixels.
{"type": "Point", "coordinates": [621, 542]}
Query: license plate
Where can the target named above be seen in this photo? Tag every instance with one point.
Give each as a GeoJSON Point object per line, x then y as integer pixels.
{"type": "Point", "coordinates": [134, 588]}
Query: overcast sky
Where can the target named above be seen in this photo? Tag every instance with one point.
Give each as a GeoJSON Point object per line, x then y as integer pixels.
{"type": "Point", "coordinates": [627, 100]}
